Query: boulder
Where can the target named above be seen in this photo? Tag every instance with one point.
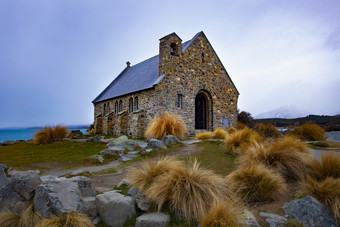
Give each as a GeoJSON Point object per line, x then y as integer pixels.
{"type": "Point", "coordinates": [310, 212]}
{"type": "Point", "coordinates": [142, 202]}
{"type": "Point", "coordinates": [114, 208]}
{"type": "Point", "coordinates": [249, 219]}
{"type": "Point", "coordinates": [85, 185]}
{"type": "Point", "coordinates": [153, 220]}
{"type": "Point", "coordinates": [25, 183]}
{"type": "Point", "coordinates": [155, 144]}
{"type": "Point", "coordinates": [133, 192]}
{"type": "Point", "coordinates": [170, 140]}
{"type": "Point", "coordinates": [274, 220]}
{"type": "Point", "coordinates": [3, 175]}
{"type": "Point", "coordinates": [98, 157]}
{"type": "Point", "coordinates": [75, 134]}
{"type": "Point", "coordinates": [113, 151]}
{"type": "Point", "coordinates": [124, 183]}
{"type": "Point", "coordinates": [8, 142]}
{"type": "Point", "coordinates": [124, 142]}
{"type": "Point", "coordinates": [90, 206]}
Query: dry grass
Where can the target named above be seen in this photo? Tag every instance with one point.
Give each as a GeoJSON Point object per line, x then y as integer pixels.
{"type": "Point", "coordinates": [44, 136]}
{"type": "Point", "coordinates": [290, 162]}
{"type": "Point", "coordinates": [29, 218]}
{"type": "Point", "coordinates": [256, 183]}
{"type": "Point", "coordinates": [204, 135]}
{"type": "Point", "coordinates": [143, 176]}
{"type": "Point", "coordinates": [267, 130]}
{"type": "Point", "coordinates": [327, 192]}
{"type": "Point", "coordinates": [310, 132]}
{"type": "Point", "coordinates": [231, 130]}
{"type": "Point", "coordinates": [328, 167]}
{"type": "Point", "coordinates": [223, 214]}
{"type": "Point", "coordinates": [166, 124]}
{"type": "Point", "coordinates": [60, 132]}
{"type": "Point", "coordinates": [240, 139]}
{"type": "Point", "coordinates": [188, 190]}
{"type": "Point", "coordinates": [219, 133]}
{"type": "Point", "coordinates": [72, 219]}
{"type": "Point", "coordinates": [9, 219]}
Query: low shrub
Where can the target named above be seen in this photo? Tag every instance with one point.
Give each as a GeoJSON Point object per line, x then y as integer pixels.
{"type": "Point", "coordinates": [44, 136]}
{"type": "Point", "coordinates": [204, 135]}
{"type": "Point", "coordinates": [9, 219]}
{"type": "Point", "coordinates": [223, 214]}
{"type": "Point", "coordinates": [240, 139]}
{"type": "Point", "coordinates": [328, 167]}
{"type": "Point", "coordinates": [219, 133]}
{"type": "Point", "coordinates": [72, 219]}
{"type": "Point", "coordinates": [166, 124]}
{"type": "Point", "coordinates": [60, 132]}
{"type": "Point", "coordinates": [188, 190]}
{"type": "Point", "coordinates": [326, 191]}
{"type": "Point", "coordinates": [310, 132]}
{"type": "Point", "coordinates": [267, 130]}
{"type": "Point", "coordinates": [291, 162]}
{"type": "Point", "coordinates": [256, 183]}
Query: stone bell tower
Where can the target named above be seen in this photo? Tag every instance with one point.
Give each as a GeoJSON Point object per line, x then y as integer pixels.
{"type": "Point", "coordinates": [170, 51]}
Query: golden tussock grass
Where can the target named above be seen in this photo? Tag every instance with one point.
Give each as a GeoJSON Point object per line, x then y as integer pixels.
{"type": "Point", "coordinates": [328, 167]}
{"type": "Point", "coordinates": [326, 191]}
{"type": "Point", "coordinates": [240, 139]}
{"type": "Point", "coordinates": [223, 214]}
{"type": "Point", "coordinates": [231, 130]}
{"type": "Point", "coordinates": [219, 133]}
{"type": "Point", "coordinates": [204, 135]}
{"type": "Point", "coordinates": [188, 190]}
{"type": "Point", "coordinates": [143, 176]}
{"type": "Point", "coordinates": [44, 136]}
{"type": "Point", "coordinates": [310, 132]}
{"type": "Point", "coordinates": [291, 163]}
{"type": "Point", "coordinates": [29, 217]}
{"type": "Point", "coordinates": [267, 130]}
{"type": "Point", "coordinates": [60, 132]}
{"type": "Point", "coordinates": [166, 124]}
{"type": "Point", "coordinates": [72, 219]}
{"type": "Point", "coordinates": [256, 183]}
{"type": "Point", "coordinates": [9, 219]}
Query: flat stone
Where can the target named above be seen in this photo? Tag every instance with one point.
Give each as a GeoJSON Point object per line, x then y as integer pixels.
{"type": "Point", "coordinates": [170, 140]}
{"type": "Point", "coordinates": [155, 144]}
{"type": "Point", "coordinates": [127, 157]}
{"type": "Point", "coordinates": [189, 142]}
{"type": "Point", "coordinates": [249, 219]}
{"type": "Point", "coordinates": [124, 183]}
{"type": "Point", "coordinates": [133, 152]}
{"type": "Point", "coordinates": [274, 220]}
{"type": "Point", "coordinates": [119, 151]}
{"type": "Point", "coordinates": [98, 157]}
{"type": "Point", "coordinates": [153, 220]}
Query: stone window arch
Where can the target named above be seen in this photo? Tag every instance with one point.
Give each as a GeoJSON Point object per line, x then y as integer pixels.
{"type": "Point", "coordinates": [116, 107]}
{"type": "Point", "coordinates": [202, 56]}
{"type": "Point", "coordinates": [131, 105]}
{"type": "Point", "coordinates": [173, 49]}
{"type": "Point", "coordinates": [136, 103]}
{"type": "Point", "coordinates": [120, 106]}
{"type": "Point", "coordinates": [179, 101]}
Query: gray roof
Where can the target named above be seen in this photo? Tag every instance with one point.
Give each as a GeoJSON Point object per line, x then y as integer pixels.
{"type": "Point", "coordinates": [142, 76]}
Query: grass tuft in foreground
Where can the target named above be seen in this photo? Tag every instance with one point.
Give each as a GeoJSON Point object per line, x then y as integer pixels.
{"type": "Point", "coordinates": [29, 217]}
{"type": "Point", "coordinates": [220, 133]}
{"type": "Point", "coordinates": [267, 130]}
{"type": "Point", "coordinates": [328, 167]}
{"type": "Point", "coordinates": [204, 135]}
{"type": "Point", "coordinates": [241, 139]}
{"type": "Point", "coordinates": [72, 219]}
{"type": "Point", "coordinates": [9, 219]}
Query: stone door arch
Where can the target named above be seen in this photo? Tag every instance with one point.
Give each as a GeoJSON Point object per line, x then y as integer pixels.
{"type": "Point", "coordinates": [203, 110]}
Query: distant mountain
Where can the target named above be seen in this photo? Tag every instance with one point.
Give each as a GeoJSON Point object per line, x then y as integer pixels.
{"type": "Point", "coordinates": [282, 112]}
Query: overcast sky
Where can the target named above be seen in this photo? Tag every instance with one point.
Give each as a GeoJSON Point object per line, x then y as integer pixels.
{"type": "Point", "coordinates": [56, 56]}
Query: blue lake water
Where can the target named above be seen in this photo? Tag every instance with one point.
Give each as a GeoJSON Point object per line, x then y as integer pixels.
{"type": "Point", "coordinates": [21, 134]}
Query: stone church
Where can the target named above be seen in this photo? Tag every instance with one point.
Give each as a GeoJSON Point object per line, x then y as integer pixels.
{"type": "Point", "coordinates": [187, 79]}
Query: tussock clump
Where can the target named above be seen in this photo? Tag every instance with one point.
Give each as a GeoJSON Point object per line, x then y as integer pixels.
{"type": "Point", "coordinates": [267, 130]}
{"type": "Point", "coordinates": [219, 133]}
{"type": "Point", "coordinates": [240, 139]}
{"type": "Point", "coordinates": [44, 136]}
{"type": "Point", "coordinates": [204, 135]}
{"type": "Point", "coordinates": [223, 214]}
{"type": "Point", "coordinates": [143, 176]}
{"type": "Point", "coordinates": [72, 219]}
{"type": "Point", "coordinates": [328, 167]}
{"type": "Point", "coordinates": [188, 190]}
{"type": "Point", "coordinates": [60, 132]}
{"type": "Point", "coordinates": [9, 219]}
{"type": "Point", "coordinates": [256, 183]}
{"type": "Point", "coordinates": [231, 130]}
{"type": "Point", "coordinates": [166, 124]}
{"type": "Point", "coordinates": [290, 163]}
{"type": "Point", "coordinates": [310, 132]}
{"type": "Point", "coordinates": [290, 143]}
{"type": "Point", "coordinates": [29, 218]}
{"type": "Point", "coordinates": [327, 192]}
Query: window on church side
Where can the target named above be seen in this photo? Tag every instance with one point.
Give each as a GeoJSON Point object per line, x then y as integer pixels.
{"type": "Point", "coordinates": [116, 107]}
{"type": "Point", "coordinates": [202, 57]}
{"type": "Point", "coordinates": [179, 101]}
{"type": "Point", "coordinates": [131, 105]}
{"type": "Point", "coordinates": [120, 106]}
{"type": "Point", "coordinates": [136, 103]}
{"type": "Point", "coordinates": [173, 49]}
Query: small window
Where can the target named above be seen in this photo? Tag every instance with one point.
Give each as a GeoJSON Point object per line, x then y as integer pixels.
{"type": "Point", "coordinates": [179, 101]}
{"type": "Point", "coordinates": [136, 103]}
{"type": "Point", "coordinates": [173, 49]}
{"type": "Point", "coordinates": [130, 105]}
{"type": "Point", "coordinates": [202, 57]}
{"type": "Point", "coordinates": [104, 108]}
{"type": "Point", "coordinates": [108, 108]}
{"type": "Point", "coordinates": [116, 107]}
{"type": "Point", "coordinates": [120, 106]}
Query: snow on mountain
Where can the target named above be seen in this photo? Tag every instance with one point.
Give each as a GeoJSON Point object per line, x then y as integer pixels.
{"type": "Point", "coordinates": [282, 112]}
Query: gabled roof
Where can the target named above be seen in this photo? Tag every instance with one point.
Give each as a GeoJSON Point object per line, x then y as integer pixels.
{"type": "Point", "coordinates": [142, 76]}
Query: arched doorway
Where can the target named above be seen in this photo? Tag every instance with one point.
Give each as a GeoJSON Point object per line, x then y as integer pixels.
{"type": "Point", "coordinates": [201, 113]}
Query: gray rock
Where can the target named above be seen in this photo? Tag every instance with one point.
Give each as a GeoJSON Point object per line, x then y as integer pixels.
{"type": "Point", "coordinates": [78, 171]}
{"type": "Point", "coordinates": [124, 183]}
{"type": "Point", "coordinates": [85, 185]}
{"type": "Point", "coordinates": [142, 202]}
{"type": "Point", "coordinates": [274, 220]}
{"type": "Point", "coordinates": [114, 208]}
{"type": "Point", "coordinates": [25, 183]}
{"type": "Point", "coordinates": [90, 206]}
{"type": "Point", "coordinates": [124, 142]}
{"type": "Point", "coordinates": [98, 157]}
{"type": "Point", "coordinates": [8, 142]}
{"type": "Point", "coordinates": [133, 152]}
{"type": "Point", "coordinates": [153, 220]}
{"type": "Point", "coordinates": [310, 212]}
{"type": "Point", "coordinates": [170, 140]}
{"type": "Point", "coordinates": [119, 151]}
{"type": "Point", "coordinates": [75, 133]}
{"type": "Point", "coordinates": [133, 192]}
{"type": "Point", "coordinates": [96, 220]}
{"type": "Point", "coordinates": [95, 139]}
{"type": "Point", "coordinates": [126, 158]}
{"type": "Point", "coordinates": [249, 219]}
{"type": "Point", "coordinates": [155, 144]}
{"type": "Point", "coordinates": [3, 176]}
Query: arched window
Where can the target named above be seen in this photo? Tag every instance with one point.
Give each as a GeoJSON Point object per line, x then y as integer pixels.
{"type": "Point", "coordinates": [202, 57]}
{"type": "Point", "coordinates": [179, 101]}
{"type": "Point", "coordinates": [104, 109]}
{"type": "Point", "coordinates": [173, 49]}
{"type": "Point", "coordinates": [120, 106]}
{"type": "Point", "coordinates": [131, 105]}
{"type": "Point", "coordinates": [108, 108]}
{"type": "Point", "coordinates": [116, 107]}
{"type": "Point", "coordinates": [136, 103]}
